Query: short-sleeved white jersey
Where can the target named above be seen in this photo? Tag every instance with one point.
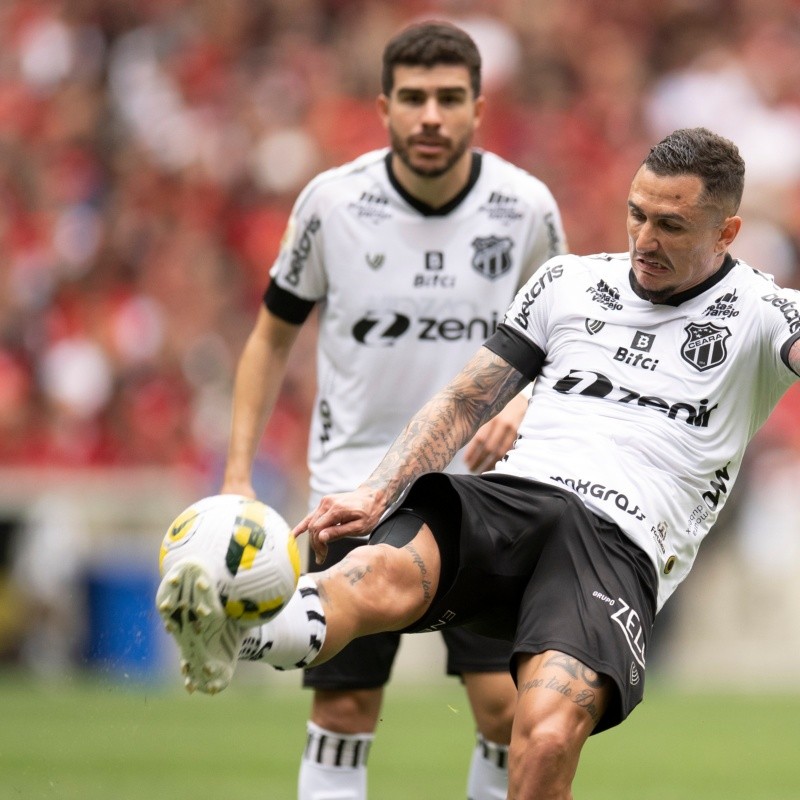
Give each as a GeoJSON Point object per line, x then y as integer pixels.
{"type": "Point", "coordinates": [406, 293]}
{"type": "Point", "coordinates": [643, 410]}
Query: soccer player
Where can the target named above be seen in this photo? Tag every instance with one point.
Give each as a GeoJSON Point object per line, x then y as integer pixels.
{"type": "Point", "coordinates": [653, 370]}
{"type": "Point", "coordinates": [413, 254]}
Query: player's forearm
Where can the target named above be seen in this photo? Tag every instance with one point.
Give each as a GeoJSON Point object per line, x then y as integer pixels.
{"type": "Point", "coordinates": [248, 420]}
{"type": "Point", "coordinates": [445, 424]}
{"type": "Point", "coordinates": [256, 390]}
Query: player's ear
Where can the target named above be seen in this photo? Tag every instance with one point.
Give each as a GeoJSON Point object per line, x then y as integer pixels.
{"type": "Point", "coordinates": [382, 106]}
{"type": "Point", "coordinates": [480, 107]}
{"type": "Point", "coordinates": [729, 231]}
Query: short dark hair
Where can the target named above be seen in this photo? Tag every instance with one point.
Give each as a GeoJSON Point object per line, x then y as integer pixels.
{"type": "Point", "coordinates": [714, 159]}
{"type": "Point", "coordinates": [427, 44]}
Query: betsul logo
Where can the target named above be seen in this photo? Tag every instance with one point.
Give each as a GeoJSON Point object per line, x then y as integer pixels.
{"type": "Point", "coordinates": [302, 250]}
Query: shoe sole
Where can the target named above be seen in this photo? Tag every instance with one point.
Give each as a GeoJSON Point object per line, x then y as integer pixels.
{"type": "Point", "coordinates": [193, 615]}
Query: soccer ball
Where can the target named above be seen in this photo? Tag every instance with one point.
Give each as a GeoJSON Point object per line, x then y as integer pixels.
{"type": "Point", "coordinates": [247, 547]}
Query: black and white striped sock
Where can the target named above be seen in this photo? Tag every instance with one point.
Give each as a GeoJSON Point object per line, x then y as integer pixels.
{"type": "Point", "coordinates": [294, 638]}
{"type": "Point", "coordinates": [494, 753]}
{"type": "Point", "coordinates": [332, 749]}
{"type": "Point", "coordinates": [488, 771]}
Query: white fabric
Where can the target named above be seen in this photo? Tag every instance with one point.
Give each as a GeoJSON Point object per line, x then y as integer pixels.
{"type": "Point", "coordinates": [643, 410]}
{"type": "Point", "coordinates": [334, 765]}
{"type": "Point", "coordinates": [406, 296]}
{"type": "Point", "coordinates": [488, 771]}
{"type": "Point", "coordinates": [294, 637]}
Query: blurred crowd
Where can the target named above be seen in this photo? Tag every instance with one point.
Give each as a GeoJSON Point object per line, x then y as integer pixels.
{"type": "Point", "coordinates": [150, 151]}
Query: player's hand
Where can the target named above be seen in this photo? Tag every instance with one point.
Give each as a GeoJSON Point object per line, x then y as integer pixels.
{"type": "Point", "coordinates": [494, 439]}
{"type": "Point", "coordinates": [353, 513]}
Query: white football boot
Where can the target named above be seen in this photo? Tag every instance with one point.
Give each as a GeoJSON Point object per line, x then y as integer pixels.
{"type": "Point", "coordinates": [209, 640]}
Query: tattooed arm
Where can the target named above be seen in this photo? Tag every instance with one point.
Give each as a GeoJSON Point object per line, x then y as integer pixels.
{"type": "Point", "coordinates": [427, 444]}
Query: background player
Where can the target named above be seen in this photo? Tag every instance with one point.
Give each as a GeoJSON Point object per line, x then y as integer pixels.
{"type": "Point", "coordinates": [412, 254]}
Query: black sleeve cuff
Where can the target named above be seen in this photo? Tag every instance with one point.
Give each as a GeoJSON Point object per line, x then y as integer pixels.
{"type": "Point", "coordinates": [787, 346]}
{"type": "Point", "coordinates": [287, 306]}
{"type": "Point", "coordinates": [522, 354]}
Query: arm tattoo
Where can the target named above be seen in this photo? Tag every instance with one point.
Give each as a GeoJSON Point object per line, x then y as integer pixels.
{"type": "Point", "coordinates": [447, 422]}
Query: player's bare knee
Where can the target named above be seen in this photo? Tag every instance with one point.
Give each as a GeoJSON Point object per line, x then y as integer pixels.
{"type": "Point", "coordinates": [495, 719]}
{"type": "Point", "coordinates": [347, 711]}
{"type": "Point", "coordinates": [493, 698]}
{"type": "Point", "coordinates": [544, 749]}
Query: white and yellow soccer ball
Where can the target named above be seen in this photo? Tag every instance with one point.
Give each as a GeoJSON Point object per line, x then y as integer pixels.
{"type": "Point", "coordinates": [247, 548]}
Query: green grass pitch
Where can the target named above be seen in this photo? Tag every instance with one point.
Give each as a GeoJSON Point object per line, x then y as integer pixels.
{"type": "Point", "coordinates": [100, 739]}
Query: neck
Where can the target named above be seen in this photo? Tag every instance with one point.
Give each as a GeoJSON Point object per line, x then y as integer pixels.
{"type": "Point", "coordinates": [434, 191]}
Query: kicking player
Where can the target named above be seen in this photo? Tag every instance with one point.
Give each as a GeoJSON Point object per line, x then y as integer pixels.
{"type": "Point", "coordinates": [653, 371]}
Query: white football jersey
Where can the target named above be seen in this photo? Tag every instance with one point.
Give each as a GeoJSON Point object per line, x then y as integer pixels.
{"type": "Point", "coordinates": [643, 410]}
{"type": "Point", "coordinates": [407, 294]}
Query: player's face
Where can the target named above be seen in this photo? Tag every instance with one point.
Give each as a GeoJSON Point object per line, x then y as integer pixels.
{"type": "Point", "coordinates": [431, 116]}
{"type": "Point", "coordinates": [676, 239]}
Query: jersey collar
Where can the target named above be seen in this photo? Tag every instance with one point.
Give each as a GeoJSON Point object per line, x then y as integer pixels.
{"type": "Point", "coordinates": [681, 297]}
{"type": "Point", "coordinates": [424, 208]}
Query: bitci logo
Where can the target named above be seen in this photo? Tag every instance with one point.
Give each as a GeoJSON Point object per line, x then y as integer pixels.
{"type": "Point", "coordinates": [434, 260]}
{"type": "Point", "coordinates": [642, 341]}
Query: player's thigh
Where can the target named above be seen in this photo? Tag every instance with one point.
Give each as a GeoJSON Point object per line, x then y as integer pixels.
{"type": "Point", "coordinates": [593, 597]}
{"type": "Point", "coordinates": [365, 663]}
{"type": "Point", "coordinates": [402, 552]}
{"type": "Point", "coordinates": [560, 700]}
{"type": "Point", "coordinates": [482, 663]}
{"type": "Point", "coordinates": [410, 562]}
{"type": "Point", "coordinates": [336, 552]}
{"type": "Point", "coordinates": [493, 698]}
{"type": "Point", "coordinates": [380, 587]}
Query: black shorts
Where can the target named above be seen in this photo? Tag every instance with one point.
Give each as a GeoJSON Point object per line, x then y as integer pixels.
{"type": "Point", "coordinates": [527, 561]}
{"type": "Point", "coordinates": [366, 663]}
